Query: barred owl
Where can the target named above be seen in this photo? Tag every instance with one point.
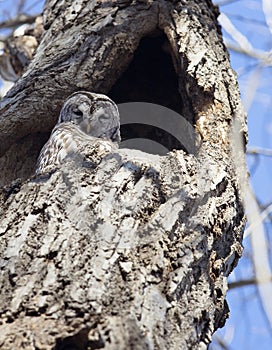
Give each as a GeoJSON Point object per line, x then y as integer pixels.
{"type": "Point", "coordinates": [84, 117]}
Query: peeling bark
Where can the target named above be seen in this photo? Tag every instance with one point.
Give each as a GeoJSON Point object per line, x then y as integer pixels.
{"type": "Point", "coordinates": [124, 250]}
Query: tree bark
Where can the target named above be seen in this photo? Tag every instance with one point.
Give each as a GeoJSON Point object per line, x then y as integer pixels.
{"type": "Point", "coordinates": [120, 249]}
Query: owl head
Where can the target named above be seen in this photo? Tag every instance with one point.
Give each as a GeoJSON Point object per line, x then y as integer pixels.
{"type": "Point", "coordinates": [95, 114]}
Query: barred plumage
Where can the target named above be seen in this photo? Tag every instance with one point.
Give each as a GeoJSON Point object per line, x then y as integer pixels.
{"type": "Point", "coordinates": [84, 118]}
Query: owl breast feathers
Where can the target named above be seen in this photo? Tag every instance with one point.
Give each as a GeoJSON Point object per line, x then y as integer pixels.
{"type": "Point", "coordinates": [84, 118]}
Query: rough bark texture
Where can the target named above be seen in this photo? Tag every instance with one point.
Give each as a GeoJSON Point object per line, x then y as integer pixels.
{"type": "Point", "coordinates": [124, 250]}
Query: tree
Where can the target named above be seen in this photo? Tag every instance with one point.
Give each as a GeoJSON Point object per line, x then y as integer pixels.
{"type": "Point", "coordinates": [123, 249]}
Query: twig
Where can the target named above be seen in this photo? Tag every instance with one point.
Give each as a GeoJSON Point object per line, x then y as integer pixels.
{"type": "Point", "coordinates": [267, 152]}
{"type": "Point", "coordinates": [17, 21]}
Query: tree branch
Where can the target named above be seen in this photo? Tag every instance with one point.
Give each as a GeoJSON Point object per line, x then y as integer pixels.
{"type": "Point", "coordinates": [18, 20]}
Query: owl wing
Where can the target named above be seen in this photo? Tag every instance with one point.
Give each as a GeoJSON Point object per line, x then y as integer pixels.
{"type": "Point", "coordinates": [62, 142]}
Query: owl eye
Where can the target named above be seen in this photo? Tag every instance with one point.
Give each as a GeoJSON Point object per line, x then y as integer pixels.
{"type": "Point", "coordinates": [78, 113]}
{"type": "Point", "coordinates": [103, 118]}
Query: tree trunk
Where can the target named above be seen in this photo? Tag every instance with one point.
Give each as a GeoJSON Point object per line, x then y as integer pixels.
{"type": "Point", "coordinates": [123, 250]}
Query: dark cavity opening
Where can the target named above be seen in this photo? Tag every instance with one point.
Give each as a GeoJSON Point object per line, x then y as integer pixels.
{"type": "Point", "coordinates": [153, 117]}
{"type": "Point", "coordinates": [151, 76]}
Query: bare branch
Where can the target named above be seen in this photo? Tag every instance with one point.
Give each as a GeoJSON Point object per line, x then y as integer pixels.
{"type": "Point", "coordinates": [264, 57]}
{"type": "Point", "coordinates": [267, 10]}
{"type": "Point", "coordinates": [18, 20]}
{"type": "Point", "coordinates": [241, 44]}
{"type": "Point", "coordinates": [252, 85]}
{"type": "Point", "coordinates": [221, 343]}
{"type": "Point", "coordinates": [262, 216]}
{"type": "Point", "coordinates": [267, 152]}
{"type": "Point", "coordinates": [259, 247]}
{"type": "Point", "coordinates": [242, 283]}
{"type": "Point", "coordinates": [244, 19]}
{"type": "Point", "coordinates": [225, 2]}
{"type": "Point", "coordinates": [20, 6]}
{"type": "Point", "coordinates": [33, 4]}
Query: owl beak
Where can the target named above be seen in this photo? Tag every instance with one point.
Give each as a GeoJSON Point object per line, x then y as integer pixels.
{"type": "Point", "coordinates": [85, 126]}
{"type": "Point", "coordinates": [88, 127]}
{"type": "Point", "coordinates": [85, 123]}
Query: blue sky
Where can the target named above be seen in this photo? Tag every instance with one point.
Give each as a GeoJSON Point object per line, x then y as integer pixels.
{"type": "Point", "coordinates": [247, 327]}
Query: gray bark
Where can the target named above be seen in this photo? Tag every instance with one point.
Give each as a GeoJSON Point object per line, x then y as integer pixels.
{"type": "Point", "coordinates": [122, 250]}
